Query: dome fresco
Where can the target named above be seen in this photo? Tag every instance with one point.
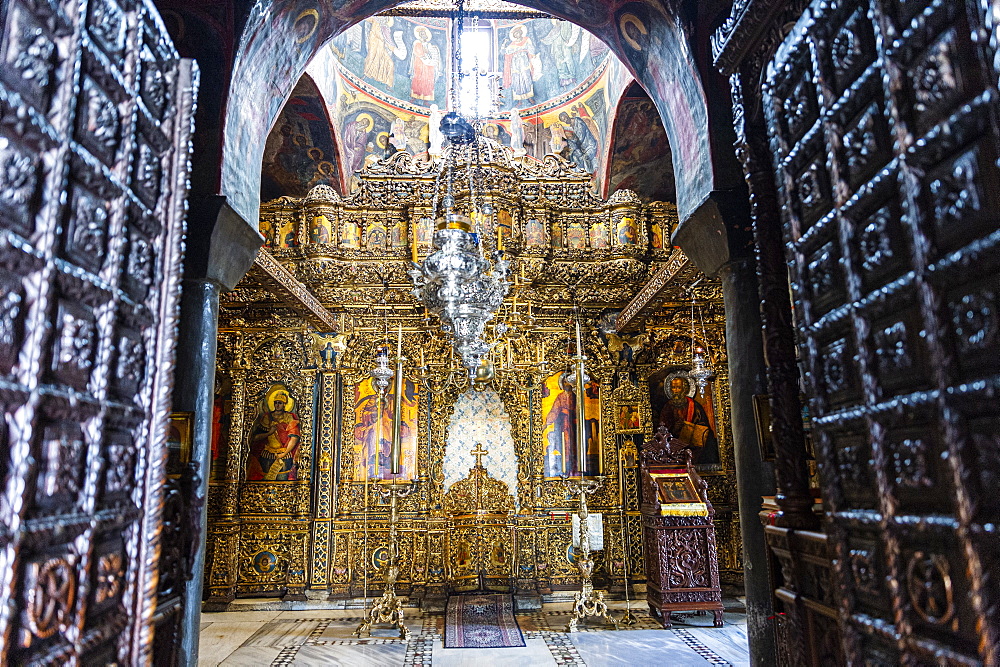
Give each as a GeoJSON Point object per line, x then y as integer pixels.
{"type": "Point", "coordinates": [387, 77]}
{"type": "Point", "coordinates": [407, 59]}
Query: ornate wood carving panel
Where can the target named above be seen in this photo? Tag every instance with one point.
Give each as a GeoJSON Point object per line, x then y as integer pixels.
{"type": "Point", "coordinates": [95, 120]}
{"type": "Point", "coordinates": [882, 117]}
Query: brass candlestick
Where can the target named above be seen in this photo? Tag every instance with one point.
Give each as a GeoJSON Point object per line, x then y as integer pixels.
{"type": "Point", "coordinates": [587, 601]}
{"type": "Point", "coordinates": [389, 608]}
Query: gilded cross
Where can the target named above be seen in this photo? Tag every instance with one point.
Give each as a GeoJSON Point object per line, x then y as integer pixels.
{"type": "Point", "coordinates": [479, 453]}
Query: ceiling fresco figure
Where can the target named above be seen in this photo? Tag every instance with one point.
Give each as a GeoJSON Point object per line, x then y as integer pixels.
{"type": "Point", "coordinates": [385, 46]}
{"type": "Point", "coordinates": [425, 65]}
{"type": "Point", "coordinates": [562, 42]}
{"type": "Point", "coordinates": [521, 64]}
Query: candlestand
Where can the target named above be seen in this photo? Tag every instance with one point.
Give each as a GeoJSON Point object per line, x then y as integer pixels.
{"type": "Point", "coordinates": [389, 608]}
{"type": "Point", "coordinates": [587, 602]}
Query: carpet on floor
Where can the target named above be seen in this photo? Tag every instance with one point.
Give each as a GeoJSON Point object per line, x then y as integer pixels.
{"type": "Point", "coordinates": [481, 621]}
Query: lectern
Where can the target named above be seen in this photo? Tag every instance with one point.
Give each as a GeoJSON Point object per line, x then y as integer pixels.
{"type": "Point", "coordinates": [678, 532]}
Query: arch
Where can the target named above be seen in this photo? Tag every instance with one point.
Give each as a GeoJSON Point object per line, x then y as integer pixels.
{"type": "Point", "coordinates": [302, 147]}
{"type": "Point", "coordinates": [282, 36]}
{"type": "Point", "coordinates": [639, 154]}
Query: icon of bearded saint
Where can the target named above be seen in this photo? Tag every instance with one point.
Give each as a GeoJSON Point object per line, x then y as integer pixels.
{"type": "Point", "coordinates": [687, 419]}
{"type": "Point", "coordinates": [274, 442]}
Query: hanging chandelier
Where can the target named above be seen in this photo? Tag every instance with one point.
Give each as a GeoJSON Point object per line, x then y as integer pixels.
{"type": "Point", "coordinates": [701, 368]}
{"type": "Point", "coordinates": [457, 282]}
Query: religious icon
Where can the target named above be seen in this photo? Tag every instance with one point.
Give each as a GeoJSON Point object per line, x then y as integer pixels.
{"type": "Point", "coordinates": [504, 226]}
{"type": "Point", "coordinates": [373, 431]}
{"type": "Point", "coordinates": [425, 231]}
{"type": "Point", "coordinates": [264, 562]}
{"type": "Point", "coordinates": [222, 410]}
{"type": "Point", "coordinates": [396, 239]}
{"type": "Point", "coordinates": [598, 235]}
{"type": "Point", "coordinates": [657, 236]}
{"type": "Point", "coordinates": [380, 558]}
{"type": "Point", "coordinates": [534, 233]}
{"type": "Point", "coordinates": [425, 65]}
{"type": "Point", "coordinates": [576, 236]}
{"type": "Point", "coordinates": [676, 489]}
{"type": "Point", "coordinates": [375, 236]}
{"type": "Point", "coordinates": [628, 418]}
{"type": "Point", "coordinates": [463, 554]}
{"type": "Point", "coordinates": [275, 439]}
{"type": "Point", "coordinates": [350, 237]}
{"type": "Point", "coordinates": [285, 236]}
{"type": "Point", "coordinates": [626, 231]}
{"type": "Point", "coordinates": [499, 555]}
{"type": "Point", "coordinates": [689, 416]}
{"type": "Point", "coordinates": [559, 427]}
{"type": "Point", "coordinates": [521, 64]}
{"type": "Point", "coordinates": [267, 231]}
{"type": "Point", "coordinates": [321, 228]}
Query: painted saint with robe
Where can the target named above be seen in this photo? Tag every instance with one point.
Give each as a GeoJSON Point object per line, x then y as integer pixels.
{"type": "Point", "coordinates": [559, 426]}
{"type": "Point", "coordinates": [425, 65]}
{"type": "Point", "coordinates": [373, 431]}
{"type": "Point", "coordinates": [521, 64]}
{"type": "Point", "coordinates": [383, 48]}
{"type": "Point", "coordinates": [275, 439]}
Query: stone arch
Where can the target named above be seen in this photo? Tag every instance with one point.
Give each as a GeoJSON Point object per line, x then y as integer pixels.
{"type": "Point", "coordinates": [282, 36]}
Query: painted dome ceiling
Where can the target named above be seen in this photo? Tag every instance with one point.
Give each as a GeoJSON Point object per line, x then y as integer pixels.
{"type": "Point", "coordinates": [380, 84]}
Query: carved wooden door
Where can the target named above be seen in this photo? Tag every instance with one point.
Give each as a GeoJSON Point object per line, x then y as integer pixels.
{"type": "Point", "coordinates": [883, 123]}
{"type": "Point", "coordinates": [95, 121]}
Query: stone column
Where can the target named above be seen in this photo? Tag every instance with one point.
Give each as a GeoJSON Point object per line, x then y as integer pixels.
{"type": "Point", "coordinates": [194, 391]}
{"type": "Point", "coordinates": [754, 476]}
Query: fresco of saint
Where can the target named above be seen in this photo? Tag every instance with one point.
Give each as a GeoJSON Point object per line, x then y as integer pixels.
{"type": "Point", "coordinates": [425, 65]}
{"type": "Point", "coordinates": [561, 40]}
{"type": "Point", "coordinates": [383, 47]}
{"type": "Point", "coordinates": [275, 439]}
{"type": "Point", "coordinates": [521, 64]}
{"type": "Point", "coordinates": [559, 430]}
{"type": "Point", "coordinates": [373, 432]}
{"type": "Point", "coordinates": [356, 134]}
{"type": "Point", "coordinates": [580, 140]}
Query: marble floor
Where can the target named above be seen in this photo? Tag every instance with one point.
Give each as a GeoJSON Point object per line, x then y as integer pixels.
{"type": "Point", "coordinates": [323, 637]}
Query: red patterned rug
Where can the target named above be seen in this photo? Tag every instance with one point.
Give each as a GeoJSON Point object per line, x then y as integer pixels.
{"type": "Point", "coordinates": [481, 621]}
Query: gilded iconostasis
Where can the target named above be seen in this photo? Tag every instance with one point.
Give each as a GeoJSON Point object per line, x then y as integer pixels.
{"type": "Point", "coordinates": [301, 452]}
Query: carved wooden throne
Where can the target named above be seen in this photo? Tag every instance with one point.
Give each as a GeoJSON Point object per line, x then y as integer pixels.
{"type": "Point", "coordinates": [678, 532]}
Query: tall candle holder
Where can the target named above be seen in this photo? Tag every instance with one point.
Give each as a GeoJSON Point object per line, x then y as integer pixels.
{"type": "Point", "coordinates": [389, 608]}
{"type": "Point", "coordinates": [587, 602]}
